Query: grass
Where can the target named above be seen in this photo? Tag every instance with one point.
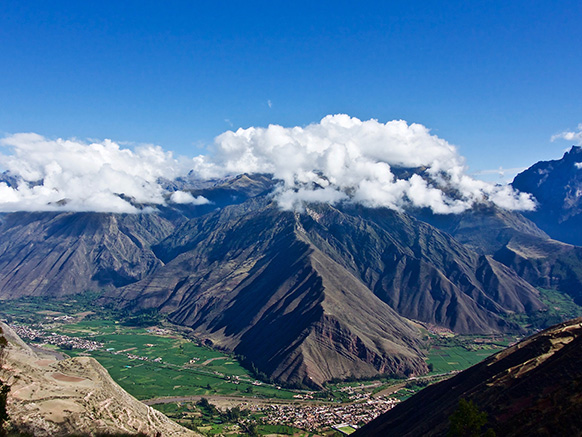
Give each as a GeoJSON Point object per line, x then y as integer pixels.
{"type": "Point", "coordinates": [173, 375]}
{"type": "Point", "coordinates": [446, 359]}
{"type": "Point", "coordinates": [560, 307]}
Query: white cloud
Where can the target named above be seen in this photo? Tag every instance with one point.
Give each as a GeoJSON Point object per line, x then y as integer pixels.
{"type": "Point", "coordinates": [344, 158]}
{"type": "Point", "coordinates": [184, 197]}
{"type": "Point", "coordinates": [72, 175]}
{"type": "Point", "coordinates": [340, 159]}
{"type": "Point", "coordinates": [570, 136]}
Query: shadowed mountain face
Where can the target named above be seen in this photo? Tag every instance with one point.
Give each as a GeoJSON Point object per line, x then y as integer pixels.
{"type": "Point", "coordinates": [532, 388]}
{"type": "Point", "coordinates": [248, 279]}
{"type": "Point", "coordinates": [557, 186]}
{"type": "Point", "coordinates": [320, 295]}
{"type": "Point", "coordinates": [55, 254]}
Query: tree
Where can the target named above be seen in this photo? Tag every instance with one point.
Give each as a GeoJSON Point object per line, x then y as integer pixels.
{"type": "Point", "coordinates": [467, 421]}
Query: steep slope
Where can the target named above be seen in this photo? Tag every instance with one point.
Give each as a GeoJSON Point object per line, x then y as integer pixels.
{"type": "Point", "coordinates": [313, 296]}
{"type": "Point", "coordinates": [485, 228]}
{"type": "Point", "coordinates": [557, 186]}
{"type": "Point", "coordinates": [532, 388]}
{"type": "Point", "coordinates": [54, 254]}
{"type": "Point", "coordinates": [422, 273]}
{"type": "Point", "coordinates": [545, 263]}
{"type": "Point", "coordinates": [516, 242]}
{"type": "Point", "coordinates": [73, 396]}
{"type": "Point", "coordinates": [250, 282]}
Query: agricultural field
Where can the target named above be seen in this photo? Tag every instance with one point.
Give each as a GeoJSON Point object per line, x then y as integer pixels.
{"type": "Point", "coordinates": [445, 359]}
{"type": "Point", "coordinates": [148, 362]}
{"type": "Point", "coordinates": [159, 362]}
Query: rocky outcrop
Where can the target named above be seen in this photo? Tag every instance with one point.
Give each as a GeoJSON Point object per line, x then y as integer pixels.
{"type": "Point", "coordinates": [74, 396]}
{"type": "Point", "coordinates": [557, 186]}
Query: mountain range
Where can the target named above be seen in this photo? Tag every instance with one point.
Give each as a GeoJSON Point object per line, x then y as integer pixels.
{"type": "Point", "coordinates": [306, 296]}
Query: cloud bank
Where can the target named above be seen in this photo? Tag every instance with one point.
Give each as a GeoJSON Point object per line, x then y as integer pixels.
{"type": "Point", "coordinates": [345, 159]}
{"type": "Point", "coordinates": [340, 159]}
{"type": "Point", "coordinates": [46, 175]}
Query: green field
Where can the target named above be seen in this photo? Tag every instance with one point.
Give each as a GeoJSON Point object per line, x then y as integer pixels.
{"type": "Point", "coordinates": [152, 363]}
{"type": "Point", "coordinates": [560, 307]}
{"type": "Point", "coordinates": [454, 358]}
{"type": "Point", "coordinates": [182, 368]}
{"type": "Point", "coordinates": [212, 372]}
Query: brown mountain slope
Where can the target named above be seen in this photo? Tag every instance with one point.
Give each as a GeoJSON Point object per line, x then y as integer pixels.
{"type": "Point", "coordinates": [54, 254]}
{"type": "Point", "coordinates": [73, 396]}
{"type": "Point", "coordinates": [312, 296]}
{"type": "Point", "coordinates": [253, 284]}
{"type": "Point", "coordinates": [516, 242]}
{"type": "Point", "coordinates": [421, 272]}
{"type": "Point", "coordinates": [532, 388]}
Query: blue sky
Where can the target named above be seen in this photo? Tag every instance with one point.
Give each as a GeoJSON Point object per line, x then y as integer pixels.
{"type": "Point", "coordinates": [496, 79]}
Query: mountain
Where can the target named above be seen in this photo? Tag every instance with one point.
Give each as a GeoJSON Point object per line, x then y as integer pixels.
{"type": "Point", "coordinates": [55, 254]}
{"type": "Point", "coordinates": [312, 296]}
{"type": "Point", "coordinates": [532, 388]}
{"type": "Point", "coordinates": [74, 396]}
{"type": "Point", "coordinates": [247, 278]}
{"type": "Point", "coordinates": [557, 186]}
{"type": "Point", "coordinates": [306, 296]}
{"type": "Point", "coordinates": [516, 242]}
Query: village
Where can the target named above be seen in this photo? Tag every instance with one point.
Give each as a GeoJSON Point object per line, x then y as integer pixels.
{"type": "Point", "coordinates": [306, 413]}
{"type": "Point", "coordinates": [63, 341]}
{"type": "Point", "coordinates": [316, 417]}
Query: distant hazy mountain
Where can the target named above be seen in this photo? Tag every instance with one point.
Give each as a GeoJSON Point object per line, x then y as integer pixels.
{"type": "Point", "coordinates": [557, 186]}
{"type": "Point", "coordinates": [532, 388]}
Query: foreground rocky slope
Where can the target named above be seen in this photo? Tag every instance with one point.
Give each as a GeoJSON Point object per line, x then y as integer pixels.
{"type": "Point", "coordinates": [73, 396]}
{"type": "Point", "coordinates": [532, 388]}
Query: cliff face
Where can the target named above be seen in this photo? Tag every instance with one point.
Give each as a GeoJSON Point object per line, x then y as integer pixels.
{"type": "Point", "coordinates": [73, 396]}
{"type": "Point", "coordinates": [532, 388]}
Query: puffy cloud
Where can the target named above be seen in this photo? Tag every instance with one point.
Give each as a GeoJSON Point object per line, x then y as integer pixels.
{"type": "Point", "coordinates": [339, 159]}
{"type": "Point", "coordinates": [184, 197]}
{"type": "Point", "coordinates": [72, 175]}
{"type": "Point", "coordinates": [343, 158]}
{"type": "Point", "coordinates": [570, 136]}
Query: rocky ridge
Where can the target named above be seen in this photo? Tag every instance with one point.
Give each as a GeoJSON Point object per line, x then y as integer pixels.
{"type": "Point", "coordinates": [50, 397]}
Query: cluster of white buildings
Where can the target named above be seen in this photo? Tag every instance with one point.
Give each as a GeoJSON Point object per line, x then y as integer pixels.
{"type": "Point", "coordinates": [53, 338]}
